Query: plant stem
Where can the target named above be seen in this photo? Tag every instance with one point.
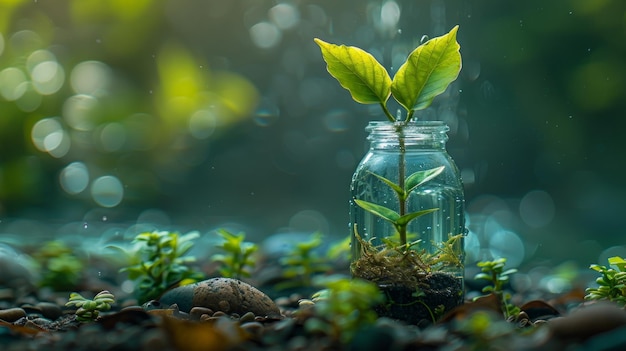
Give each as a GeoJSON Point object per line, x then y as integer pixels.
{"type": "Point", "coordinates": [390, 117]}
{"type": "Point", "coordinates": [401, 175]}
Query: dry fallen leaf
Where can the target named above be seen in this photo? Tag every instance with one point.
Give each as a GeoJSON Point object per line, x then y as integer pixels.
{"type": "Point", "coordinates": [213, 335]}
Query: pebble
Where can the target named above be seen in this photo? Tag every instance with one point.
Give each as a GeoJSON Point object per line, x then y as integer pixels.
{"type": "Point", "coordinates": [49, 310]}
{"type": "Point", "coordinates": [198, 312]}
{"type": "Point", "coordinates": [254, 328]}
{"type": "Point", "coordinates": [222, 294]}
{"type": "Point", "coordinates": [248, 317]}
{"type": "Point", "coordinates": [587, 321]}
{"type": "Point", "coordinates": [12, 314]}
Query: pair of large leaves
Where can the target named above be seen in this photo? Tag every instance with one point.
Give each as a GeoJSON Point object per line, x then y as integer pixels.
{"type": "Point", "coordinates": [411, 183]}
{"type": "Point", "coordinates": [428, 71]}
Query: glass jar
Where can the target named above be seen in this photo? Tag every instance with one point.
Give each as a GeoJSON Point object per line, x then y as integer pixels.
{"type": "Point", "coordinates": [433, 211]}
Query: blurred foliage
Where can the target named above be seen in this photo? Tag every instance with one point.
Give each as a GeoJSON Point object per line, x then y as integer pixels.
{"type": "Point", "coordinates": [159, 261]}
{"type": "Point", "coordinates": [238, 260]}
{"type": "Point", "coordinates": [115, 98]}
{"type": "Point", "coordinates": [60, 269]}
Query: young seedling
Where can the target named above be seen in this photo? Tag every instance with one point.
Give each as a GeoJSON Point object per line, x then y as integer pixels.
{"type": "Point", "coordinates": [238, 260]}
{"type": "Point", "coordinates": [159, 262]}
{"type": "Point", "coordinates": [611, 283]}
{"type": "Point", "coordinates": [303, 263]}
{"type": "Point", "coordinates": [427, 72]}
{"type": "Point", "coordinates": [344, 306]}
{"type": "Point", "coordinates": [61, 268]}
{"type": "Point", "coordinates": [493, 272]}
{"type": "Point", "coordinates": [89, 310]}
{"type": "Point", "coordinates": [401, 220]}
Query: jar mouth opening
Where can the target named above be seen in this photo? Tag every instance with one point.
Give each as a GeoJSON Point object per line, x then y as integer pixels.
{"type": "Point", "coordinates": [422, 126]}
{"type": "Point", "coordinates": [417, 123]}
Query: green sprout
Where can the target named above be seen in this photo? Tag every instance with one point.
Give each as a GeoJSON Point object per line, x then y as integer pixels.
{"type": "Point", "coordinates": [612, 283]}
{"type": "Point", "coordinates": [344, 306]}
{"type": "Point", "coordinates": [61, 268]}
{"type": "Point", "coordinates": [89, 310]}
{"type": "Point", "coordinates": [427, 72]}
{"type": "Point", "coordinates": [493, 272]}
{"type": "Point", "coordinates": [238, 262]}
{"type": "Point", "coordinates": [401, 220]}
{"type": "Point", "coordinates": [159, 262]}
{"type": "Point", "coordinates": [303, 263]}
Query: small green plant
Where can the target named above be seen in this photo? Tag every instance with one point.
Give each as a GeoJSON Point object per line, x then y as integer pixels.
{"type": "Point", "coordinates": [238, 260]}
{"type": "Point", "coordinates": [483, 330]}
{"type": "Point", "coordinates": [401, 220]}
{"type": "Point", "coordinates": [89, 310]}
{"type": "Point", "coordinates": [303, 263]}
{"type": "Point", "coordinates": [61, 269]}
{"type": "Point", "coordinates": [344, 306]}
{"type": "Point", "coordinates": [493, 272]}
{"type": "Point", "coordinates": [158, 261]}
{"type": "Point", "coordinates": [611, 283]}
{"type": "Point", "coordinates": [427, 72]}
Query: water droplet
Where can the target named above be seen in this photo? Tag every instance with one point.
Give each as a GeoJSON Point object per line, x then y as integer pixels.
{"type": "Point", "coordinates": [104, 218]}
{"type": "Point", "coordinates": [85, 225]}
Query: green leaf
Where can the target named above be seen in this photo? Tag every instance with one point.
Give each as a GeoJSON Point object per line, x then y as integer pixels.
{"type": "Point", "coordinates": [483, 276]}
{"type": "Point", "coordinates": [509, 271]}
{"type": "Point", "coordinates": [418, 178]}
{"type": "Point", "coordinates": [391, 184]}
{"type": "Point", "coordinates": [380, 211]}
{"type": "Point", "coordinates": [404, 220]}
{"type": "Point", "coordinates": [428, 71]}
{"type": "Point", "coordinates": [357, 71]}
{"type": "Point", "coordinates": [618, 262]}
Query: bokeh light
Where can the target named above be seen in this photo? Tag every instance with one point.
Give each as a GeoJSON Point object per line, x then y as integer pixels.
{"type": "Point", "coordinates": [80, 112]}
{"type": "Point", "coordinates": [537, 208]}
{"type": "Point", "coordinates": [107, 191]}
{"type": "Point", "coordinates": [74, 178]}
{"type": "Point", "coordinates": [265, 35]}
{"type": "Point", "coordinates": [46, 74]}
{"type": "Point", "coordinates": [90, 78]}
{"type": "Point", "coordinates": [202, 124]}
{"type": "Point", "coordinates": [308, 221]}
{"type": "Point", "coordinates": [48, 135]}
{"type": "Point", "coordinates": [13, 83]}
{"type": "Point", "coordinates": [284, 16]}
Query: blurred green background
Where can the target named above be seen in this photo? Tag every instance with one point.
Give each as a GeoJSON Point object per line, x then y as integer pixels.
{"type": "Point", "coordinates": [206, 113]}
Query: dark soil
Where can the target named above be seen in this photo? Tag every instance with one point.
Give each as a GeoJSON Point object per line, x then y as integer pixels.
{"type": "Point", "coordinates": [441, 292]}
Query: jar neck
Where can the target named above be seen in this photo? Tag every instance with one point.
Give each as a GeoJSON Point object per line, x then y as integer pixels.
{"type": "Point", "coordinates": [416, 135]}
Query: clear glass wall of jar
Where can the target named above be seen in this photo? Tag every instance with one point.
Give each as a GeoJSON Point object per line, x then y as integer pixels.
{"type": "Point", "coordinates": [398, 151]}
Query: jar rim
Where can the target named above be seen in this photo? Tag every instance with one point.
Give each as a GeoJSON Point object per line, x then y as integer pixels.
{"type": "Point", "coordinates": [434, 126]}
